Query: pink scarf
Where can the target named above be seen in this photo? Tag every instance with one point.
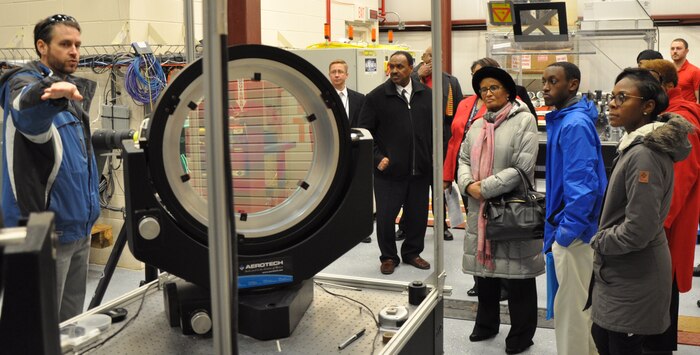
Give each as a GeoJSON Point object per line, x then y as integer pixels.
{"type": "Point", "coordinates": [482, 167]}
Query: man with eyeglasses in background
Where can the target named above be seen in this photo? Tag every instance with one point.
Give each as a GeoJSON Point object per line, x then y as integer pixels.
{"type": "Point", "coordinates": [48, 162]}
{"type": "Point", "coordinates": [575, 185]}
{"type": "Point", "coordinates": [352, 100]}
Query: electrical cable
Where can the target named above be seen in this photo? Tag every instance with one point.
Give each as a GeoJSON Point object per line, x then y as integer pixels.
{"type": "Point", "coordinates": [143, 299]}
{"type": "Point", "coordinates": [374, 317]}
{"type": "Point", "coordinates": [144, 87]}
{"type": "Point", "coordinates": [106, 189]}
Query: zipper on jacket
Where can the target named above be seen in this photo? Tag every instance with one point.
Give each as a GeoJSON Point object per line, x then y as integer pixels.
{"type": "Point", "coordinates": [81, 138]}
{"type": "Point", "coordinates": [83, 146]}
{"type": "Point", "coordinates": [413, 137]}
{"type": "Point", "coordinates": [89, 199]}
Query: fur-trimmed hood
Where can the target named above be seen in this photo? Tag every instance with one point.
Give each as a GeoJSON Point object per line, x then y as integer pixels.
{"type": "Point", "coordinates": [667, 135]}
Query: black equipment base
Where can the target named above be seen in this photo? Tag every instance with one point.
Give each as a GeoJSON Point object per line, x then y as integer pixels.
{"type": "Point", "coordinates": [263, 314]}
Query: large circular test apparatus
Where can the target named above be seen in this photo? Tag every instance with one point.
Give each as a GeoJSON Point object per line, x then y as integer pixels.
{"type": "Point", "coordinates": [302, 179]}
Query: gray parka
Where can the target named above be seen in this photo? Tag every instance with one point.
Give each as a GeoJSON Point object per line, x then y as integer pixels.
{"type": "Point", "coordinates": [515, 146]}
{"type": "Point", "coordinates": [632, 263]}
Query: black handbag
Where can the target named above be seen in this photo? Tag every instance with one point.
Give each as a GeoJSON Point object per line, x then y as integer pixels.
{"type": "Point", "coordinates": [516, 215]}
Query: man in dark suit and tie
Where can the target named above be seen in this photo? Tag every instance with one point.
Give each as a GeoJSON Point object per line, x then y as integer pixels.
{"type": "Point", "coordinates": [451, 96]}
{"type": "Point", "coordinates": [352, 100]}
{"type": "Point", "coordinates": [398, 113]}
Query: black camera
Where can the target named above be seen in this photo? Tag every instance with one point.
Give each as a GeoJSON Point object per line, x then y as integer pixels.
{"type": "Point", "coordinates": [108, 139]}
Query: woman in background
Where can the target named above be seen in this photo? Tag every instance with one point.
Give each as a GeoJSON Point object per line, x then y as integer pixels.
{"type": "Point", "coordinates": [681, 223]}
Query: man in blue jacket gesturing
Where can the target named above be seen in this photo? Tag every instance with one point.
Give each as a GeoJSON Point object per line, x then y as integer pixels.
{"type": "Point", "coordinates": [48, 161]}
{"type": "Point", "coordinates": [576, 181]}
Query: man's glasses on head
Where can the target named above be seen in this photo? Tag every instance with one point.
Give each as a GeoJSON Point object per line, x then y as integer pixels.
{"type": "Point", "coordinates": [61, 18]}
{"type": "Point", "coordinates": [58, 18]}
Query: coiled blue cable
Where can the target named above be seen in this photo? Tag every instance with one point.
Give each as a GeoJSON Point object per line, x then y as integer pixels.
{"type": "Point", "coordinates": [144, 88]}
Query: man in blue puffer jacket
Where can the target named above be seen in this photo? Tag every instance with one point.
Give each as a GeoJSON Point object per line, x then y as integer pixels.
{"type": "Point", "coordinates": [48, 161]}
{"type": "Point", "coordinates": [576, 181]}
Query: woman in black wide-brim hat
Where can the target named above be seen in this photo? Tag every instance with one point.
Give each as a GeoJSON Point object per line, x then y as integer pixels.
{"type": "Point", "coordinates": [493, 147]}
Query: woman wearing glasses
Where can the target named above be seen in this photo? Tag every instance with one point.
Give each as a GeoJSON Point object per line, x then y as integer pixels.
{"type": "Point", "coordinates": [504, 139]}
{"type": "Point", "coordinates": [469, 110]}
{"type": "Point", "coordinates": [632, 265]}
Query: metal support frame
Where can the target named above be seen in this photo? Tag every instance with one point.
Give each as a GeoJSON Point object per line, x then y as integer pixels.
{"type": "Point", "coordinates": [109, 268]}
{"type": "Point", "coordinates": [189, 30]}
{"type": "Point", "coordinates": [437, 278]}
{"type": "Point", "coordinates": [223, 250]}
{"type": "Point", "coordinates": [150, 272]}
{"type": "Point", "coordinates": [438, 116]}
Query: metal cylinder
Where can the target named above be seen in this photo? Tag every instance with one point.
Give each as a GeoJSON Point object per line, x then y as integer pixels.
{"type": "Point", "coordinates": [200, 322]}
{"type": "Point", "coordinates": [417, 291]}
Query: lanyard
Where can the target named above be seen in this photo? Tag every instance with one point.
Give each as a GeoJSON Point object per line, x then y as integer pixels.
{"type": "Point", "coordinates": [471, 117]}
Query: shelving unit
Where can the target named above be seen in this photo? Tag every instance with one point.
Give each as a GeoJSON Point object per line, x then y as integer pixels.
{"type": "Point", "coordinates": [20, 55]}
{"type": "Point", "coordinates": [502, 47]}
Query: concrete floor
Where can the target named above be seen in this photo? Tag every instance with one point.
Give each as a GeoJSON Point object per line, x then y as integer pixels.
{"type": "Point", "coordinates": [363, 261]}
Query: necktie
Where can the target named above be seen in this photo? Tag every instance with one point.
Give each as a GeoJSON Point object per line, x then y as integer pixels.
{"type": "Point", "coordinates": [344, 99]}
{"type": "Point", "coordinates": [449, 110]}
{"type": "Point", "coordinates": [404, 93]}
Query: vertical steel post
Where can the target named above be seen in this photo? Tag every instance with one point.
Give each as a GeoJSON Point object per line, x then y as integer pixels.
{"type": "Point", "coordinates": [222, 248]}
{"type": "Point", "coordinates": [438, 117]}
{"type": "Point", "coordinates": [189, 30]}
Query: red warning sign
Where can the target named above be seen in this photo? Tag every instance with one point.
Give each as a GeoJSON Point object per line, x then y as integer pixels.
{"type": "Point", "coordinates": [501, 13]}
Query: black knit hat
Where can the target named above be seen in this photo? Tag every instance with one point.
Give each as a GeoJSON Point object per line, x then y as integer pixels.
{"type": "Point", "coordinates": [496, 73]}
{"type": "Point", "coordinates": [649, 54]}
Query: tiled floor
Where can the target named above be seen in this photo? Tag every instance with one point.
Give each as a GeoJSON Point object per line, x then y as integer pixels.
{"type": "Point", "coordinates": [363, 261]}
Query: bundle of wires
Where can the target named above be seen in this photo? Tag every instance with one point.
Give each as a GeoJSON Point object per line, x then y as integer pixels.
{"type": "Point", "coordinates": [144, 79]}
{"type": "Point", "coordinates": [106, 188]}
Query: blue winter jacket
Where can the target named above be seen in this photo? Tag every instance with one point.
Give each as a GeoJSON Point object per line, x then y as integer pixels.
{"type": "Point", "coordinates": [575, 175]}
{"type": "Point", "coordinates": [48, 161]}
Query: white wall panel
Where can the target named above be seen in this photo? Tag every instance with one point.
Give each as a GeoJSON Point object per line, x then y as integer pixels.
{"type": "Point", "coordinates": [157, 10]}
{"type": "Point", "coordinates": [17, 14]}
{"type": "Point", "coordinates": [92, 10]}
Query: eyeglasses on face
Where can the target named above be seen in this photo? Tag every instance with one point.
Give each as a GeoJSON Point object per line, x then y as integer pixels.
{"type": "Point", "coordinates": [492, 88]}
{"type": "Point", "coordinates": [621, 97]}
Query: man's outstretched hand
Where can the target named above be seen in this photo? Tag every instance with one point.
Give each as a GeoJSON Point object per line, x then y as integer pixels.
{"type": "Point", "coordinates": [60, 90]}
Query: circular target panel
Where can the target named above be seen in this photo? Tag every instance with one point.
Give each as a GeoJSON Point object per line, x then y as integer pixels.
{"type": "Point", "coordinates": [288, 148]}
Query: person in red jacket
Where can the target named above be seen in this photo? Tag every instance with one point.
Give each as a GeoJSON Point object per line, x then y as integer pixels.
{"type": "Point", "coordinates": [682, 220]}
{"type": "Point", "coordinates": [688, 74]}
